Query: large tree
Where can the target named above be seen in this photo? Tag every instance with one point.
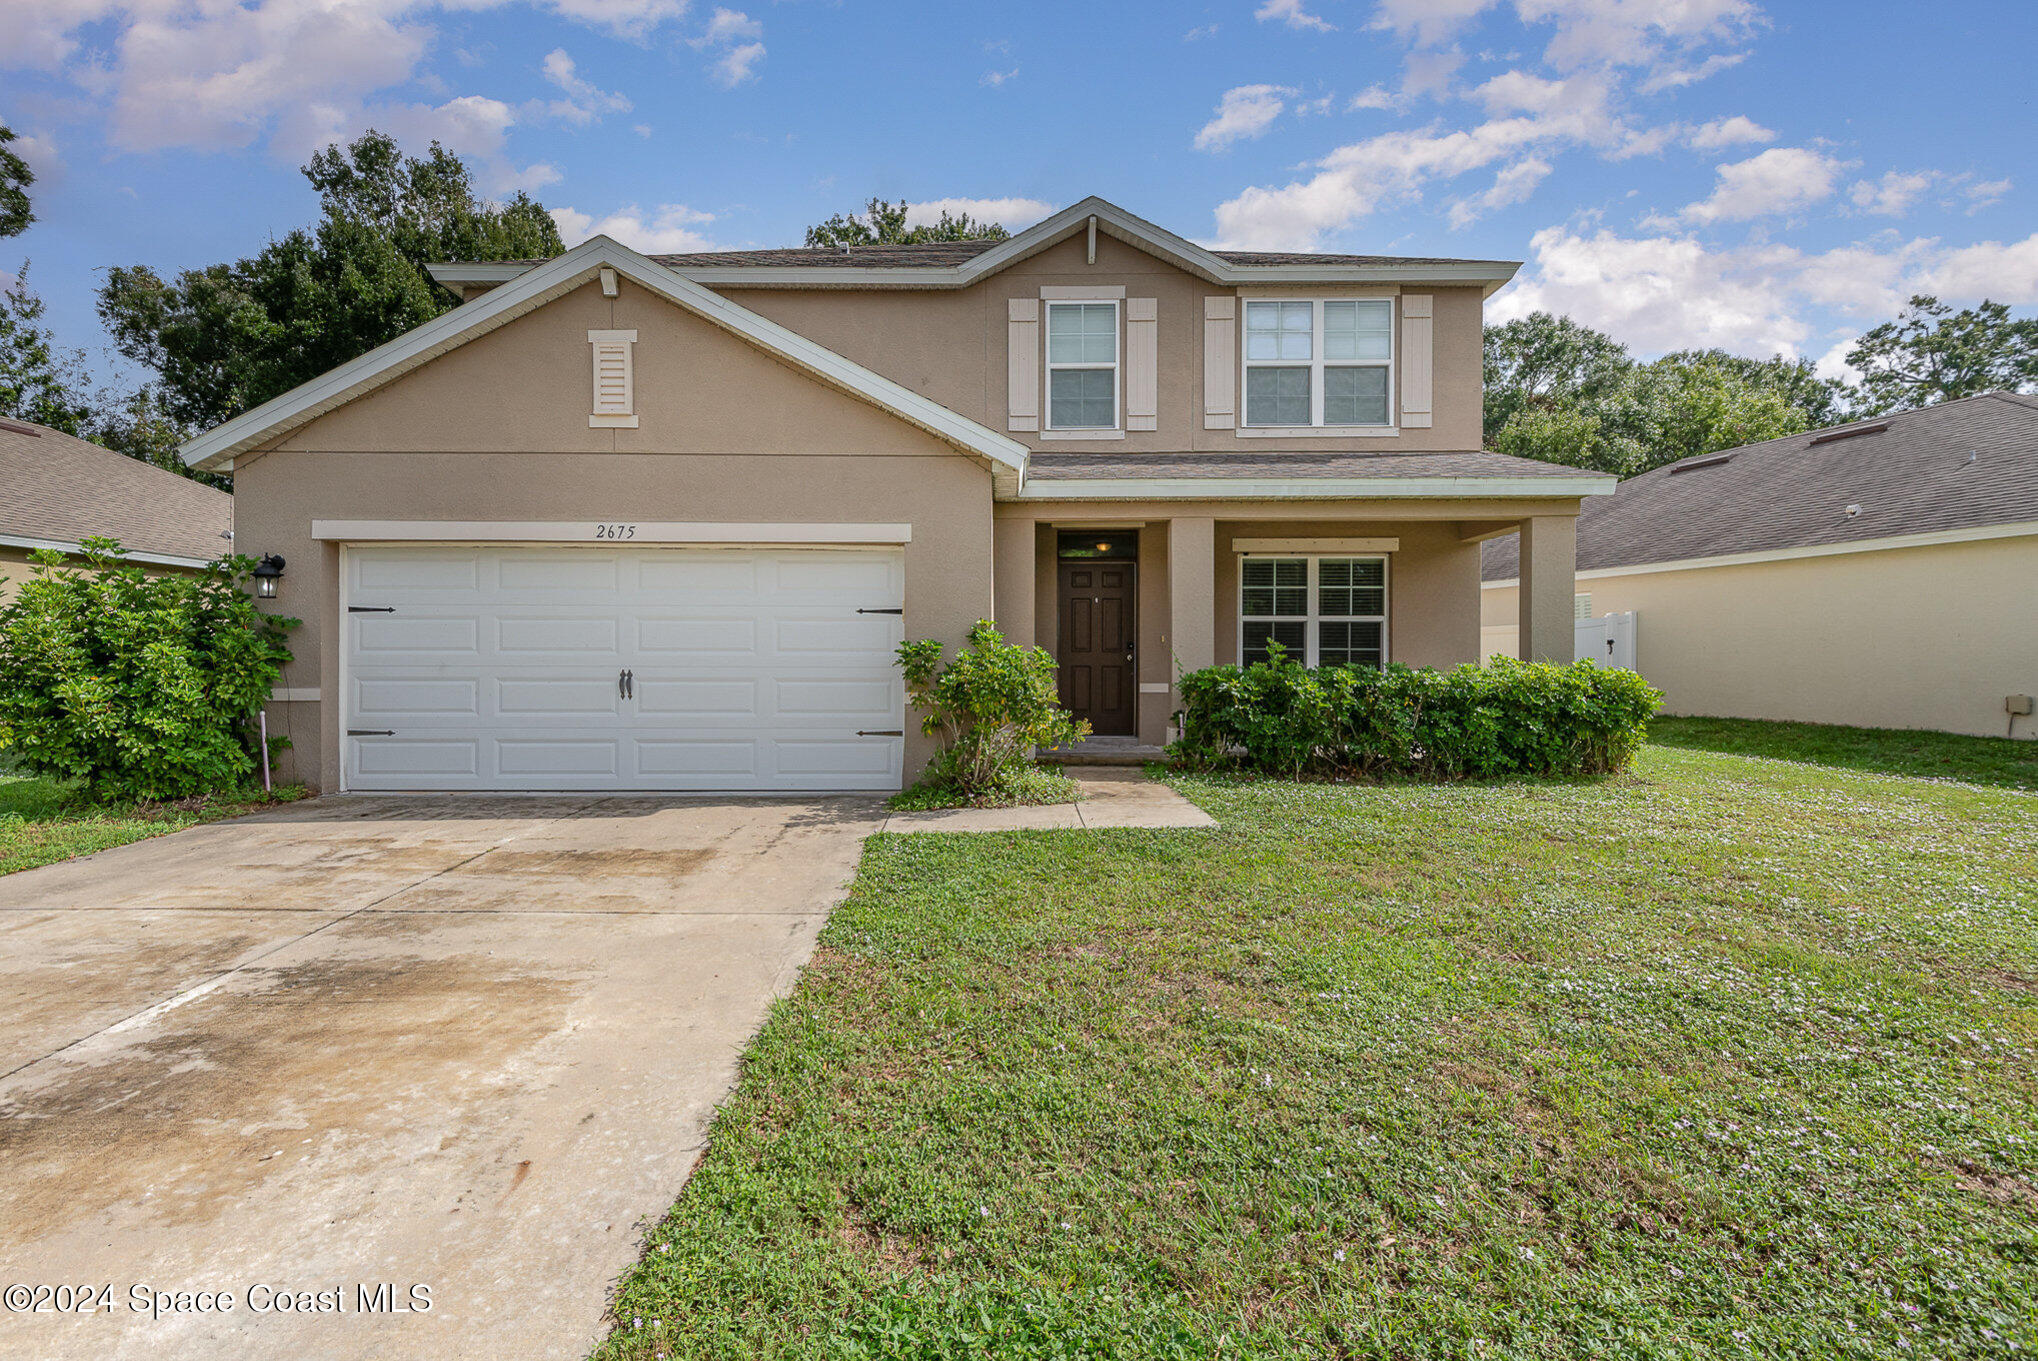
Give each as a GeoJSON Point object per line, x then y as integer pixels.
{"type": "Point", "coordinates": [884, 224]}
{"type": "Point", "coordinates": [1932, 353]}
{"type": "Point", "coordinates": [15, 177]}
{"type": "Point", "coordinates": [230, 336]}
{"type": "Point", "coordinates": [38, 381]}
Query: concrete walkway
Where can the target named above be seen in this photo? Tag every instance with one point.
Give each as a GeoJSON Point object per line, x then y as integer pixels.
{"type": "Point", "coordinates": [1113, 796]}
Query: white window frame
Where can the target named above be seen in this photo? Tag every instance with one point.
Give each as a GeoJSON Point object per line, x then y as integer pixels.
{"type": "Point", "coordinates": [1316, 365]}
{"type": "Point", "coordinates": [1117, 367]}
{"type": "Point", "coordinates": [1313, 618]}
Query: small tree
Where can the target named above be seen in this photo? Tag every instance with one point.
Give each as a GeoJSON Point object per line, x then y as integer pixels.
{"type": "Point", "coordinates": [140, 686]}
{"type": "Point", "coordinates": [1932, 353]}
{"type": "Point", "coordinates": [990, 708]}
{"type": "Point", "coordinates": [884, 224]}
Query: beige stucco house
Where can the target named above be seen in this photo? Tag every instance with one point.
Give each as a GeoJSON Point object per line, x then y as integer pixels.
{"type": "Point", "coordinates": [621, 522]}
{"type": "Point", "coordinates": [56, 489]}
{"type": "Point", "coordinates": [1879, 574]}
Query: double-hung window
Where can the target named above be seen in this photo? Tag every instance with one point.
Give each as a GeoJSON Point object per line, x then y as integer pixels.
{"type": "Point", "coordinates": [1325, 611]}
{"type": "Point", "coordinates": [1082, 366]}
{"type": "Point", "coordinates": [1318, 363]}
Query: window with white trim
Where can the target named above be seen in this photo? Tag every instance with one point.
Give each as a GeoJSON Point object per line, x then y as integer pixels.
{"type": "Point", "coordinates": [1324, 362]}
{"type": "Point", "coordinates": [1082, 365]}
{"type": "Point", "coordinates": [1325, 611]}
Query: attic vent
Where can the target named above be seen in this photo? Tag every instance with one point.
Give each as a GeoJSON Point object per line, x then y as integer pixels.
{"type": "Point", "coordinates": [17, 428]}
{"type": "Point", "coordinates": [615, 389]}
{"type": "Point", "coordinates": [1696, 464]}
{"type": "Point", "coordinates": [1828, 436]}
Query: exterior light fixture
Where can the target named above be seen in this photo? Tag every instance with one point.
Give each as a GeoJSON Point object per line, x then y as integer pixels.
{"type": "Point", "coordinates": [1104, 547]}
{"type": "Point", "coordinates": [267, 573]}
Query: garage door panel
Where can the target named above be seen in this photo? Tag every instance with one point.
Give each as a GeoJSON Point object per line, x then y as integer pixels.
{"type": "Point", "coordinates": [498, 668]}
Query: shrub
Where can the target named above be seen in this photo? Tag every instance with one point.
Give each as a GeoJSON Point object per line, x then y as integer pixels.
{"type": "Point", "coordinates": [1507, 719]}
{"type": "Point", "coordinates": [990, 708]}
{"type": "Point", "coordinates": [140, 686]}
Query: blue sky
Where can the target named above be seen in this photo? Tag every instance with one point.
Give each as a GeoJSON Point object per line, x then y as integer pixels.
{"type": "Point", "coordinates": [1763, 177]}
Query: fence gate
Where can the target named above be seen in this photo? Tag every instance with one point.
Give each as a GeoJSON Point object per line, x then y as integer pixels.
{"type": "Point", "coordinates": [1608, 640]}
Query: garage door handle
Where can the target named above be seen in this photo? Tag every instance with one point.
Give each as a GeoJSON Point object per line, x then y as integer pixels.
{"type": "Point", "coordinates": [371, 732]}
{"type": "Point", "coordinates": [626, 684]}
{"type": "Point", "coordinates": [879, 732]}
{"type": "Point", "coordinates": [897, 611]}
{"type": "Point", "coordinates": [371, 609]}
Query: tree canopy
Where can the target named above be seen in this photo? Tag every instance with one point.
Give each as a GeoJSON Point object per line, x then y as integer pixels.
{"type": "Point", "coordinates": [1932, 353]}
{"type": "Point", "coordinates": [15, 178]}
{"type": "Point", "coordinates": [230, 336]}
{"type": "Point", "coordinates": [38, 381]}
{"type": "Point", "coordinates": [884, 224]}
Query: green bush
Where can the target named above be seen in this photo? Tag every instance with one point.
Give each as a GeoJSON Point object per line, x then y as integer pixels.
{"type": "Point", "coordinates": [140, 686]}
{"type": "Point", "coordinates": [990, 708]}
{"type": "Point", "coordinates": [1507, 719]}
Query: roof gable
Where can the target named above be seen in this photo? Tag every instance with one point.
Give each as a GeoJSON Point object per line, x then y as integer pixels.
{"type": "Point", "coordinates": [61, 489]}
{"type": "Point", "coordinates": [218, 447]}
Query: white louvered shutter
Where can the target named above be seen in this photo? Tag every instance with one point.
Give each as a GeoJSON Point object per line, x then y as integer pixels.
{"type": "Point", "coordinates": [1022, 364]}
{"type": "Point", "coordinates": [615, 395]}
{"type": "Point", "coordinates": [1220, 363]}
{"type": "Point", "coordinates": [1142, 364]}
{"type": "Point", "coordinates": [1418, 360]}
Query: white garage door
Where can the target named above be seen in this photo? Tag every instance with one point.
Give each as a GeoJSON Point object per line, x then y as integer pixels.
{"type": "Point", "coordinates": [637, 668]}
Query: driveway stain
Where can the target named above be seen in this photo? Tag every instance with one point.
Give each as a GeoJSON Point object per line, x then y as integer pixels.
{"type": "Point", "coordinates": [188, 1123]}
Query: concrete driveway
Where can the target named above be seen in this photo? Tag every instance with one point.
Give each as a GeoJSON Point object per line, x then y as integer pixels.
{"type": "Point", "coordinates": [464, 1044]}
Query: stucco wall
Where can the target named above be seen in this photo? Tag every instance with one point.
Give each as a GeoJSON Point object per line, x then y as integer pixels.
{"type": "Point", "coordinates": [950, 345]}
{"type": "Point", "coordinates": [1931, 637]}
{"type": "Point", "coordinates": [497, 430]}
{"type": "Point", "coordinates": [15, 567]}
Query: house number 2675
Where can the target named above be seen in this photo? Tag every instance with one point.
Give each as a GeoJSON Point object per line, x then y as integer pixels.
{"type": "Point", "coordinates": [615, 531]}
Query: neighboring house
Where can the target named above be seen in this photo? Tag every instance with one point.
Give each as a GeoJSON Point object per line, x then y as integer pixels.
{"type": "Point", "coordinates": [632, 523]}
{"type": "Point", "coordinates": [56, 489]}
{"type": "Point", "coordinates": [1882, 573]}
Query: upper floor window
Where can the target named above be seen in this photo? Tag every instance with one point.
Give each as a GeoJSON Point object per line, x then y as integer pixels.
{"type": "Point", "coordinates": [1082, 365]}
{"type": "Point", "coordinates": [1319, 362]}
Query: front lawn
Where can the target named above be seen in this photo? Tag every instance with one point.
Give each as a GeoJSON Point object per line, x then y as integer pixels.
{"type": "Point", "coordinates": [44, 821]}
{"type": "Point", "coordinates": [2012, 763]}
{"type": "Point", "coordinates": [1723, 1058]}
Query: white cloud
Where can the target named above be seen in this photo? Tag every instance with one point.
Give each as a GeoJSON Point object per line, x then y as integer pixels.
{"type": "Point", "coordinates": [728, 26]}
{"type": "Point", "coordinates": [1291, 13]}
{"type": "Point", "coordinates": [38, 33]}
{"type": "Point", "coordinates": [996, 78]}
{"type": "Point", "coordinates": [1677, 77]}
{"type": "Point", "coordinates": [1428, 22]}
{"type": "Point", "coordinates": [1725, 132]}
{"type": "Point", "coordinates": [1206, 31]}
{"type": "Point", "coordinates": [1010, 213]}
{"type": "Point", "coordinates": [1894, 193]}
{"type": "Point", "coordinates": [636, 20]}
{"type": "Point", "coordinates": [1985, 193]}
{"type": "Point", "coordinates": [1245, 112]}
{"type": "Point", "coordinates": [1989, 269]}
{"type": "Point", "coordinates": [1779, 180]}
{"type": "Point", "coordinates": [1373, 97]}
{"type": "Point", "coordinates": [584, 103]}
{"type": "Point", "coordinates": [1513, 184]}
{"type": "Point", "coordinates": [738, 64]}
{"type": "Point", "coordinates": [1833, 363]}
{"type": "Point", "coordinates": [1633, 32]}
{"type": "Point", "coordinates": [669, 230]}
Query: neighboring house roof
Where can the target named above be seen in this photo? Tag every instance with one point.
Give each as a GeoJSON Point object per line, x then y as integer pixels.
{"type": "Point", "coordinates": [1192, 476]}
{"type": "Point", "coordinates": [1956, 468]}
{"type": "Point", "coordinates": [217, 448]}
{"type": "Point", "coordinates": [60, 489]}
{"type": "Point", "coordinates": [956, 264]}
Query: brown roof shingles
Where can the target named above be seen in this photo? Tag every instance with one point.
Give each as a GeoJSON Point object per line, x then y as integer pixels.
{"type": "Point", "coordinates": [1962, 464]}
{"type": "Point", "coordinates": [944, 254]}
{"type": "Point", "coordinates": [1073, 467]}
{"type": "Point", "coordinates": [61, 489]}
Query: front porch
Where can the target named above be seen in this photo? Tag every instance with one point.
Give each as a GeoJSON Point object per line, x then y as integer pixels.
{"type": "Point", "coordinates": [1129, 595]}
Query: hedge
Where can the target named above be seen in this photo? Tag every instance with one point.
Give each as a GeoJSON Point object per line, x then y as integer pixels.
{"type": "Point", "coordinates": [1506, 719]}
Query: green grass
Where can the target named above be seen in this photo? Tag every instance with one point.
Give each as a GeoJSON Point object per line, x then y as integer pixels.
{"type": "Point", "coordinates": [1032, 785]}
{"type": "Point", "coordinates": [1723, 1058]}
{"type": "Point", "coordinates": [2012, 764]}
{"type": "Point", "coordinates": [43, 821]}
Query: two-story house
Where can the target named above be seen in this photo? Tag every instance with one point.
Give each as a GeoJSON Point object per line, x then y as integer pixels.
{"type": "Point", "coordinates": [622, 522]}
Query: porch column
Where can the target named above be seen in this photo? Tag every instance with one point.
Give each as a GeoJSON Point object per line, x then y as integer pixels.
{"type": "Point", "coordinates": [1012, 579]}
{"type": "Point", "coordinates": [1192, 594]}
{"type": "Point", "coordinates": [1549, 560]}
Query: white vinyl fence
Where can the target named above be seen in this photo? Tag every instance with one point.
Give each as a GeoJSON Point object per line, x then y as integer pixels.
{"type": "Point", "coordinates": [1608, 640]}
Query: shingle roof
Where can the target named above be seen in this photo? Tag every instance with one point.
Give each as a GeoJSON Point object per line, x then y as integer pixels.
{"type": "Point", "coordinates": [1959, 465]}
{"type": "Point", "coordinates": [64, 489]}
{"type": "Point", "coordinates": [1051, 466]}
{"type": "Point", "coordinates": [936, 254]}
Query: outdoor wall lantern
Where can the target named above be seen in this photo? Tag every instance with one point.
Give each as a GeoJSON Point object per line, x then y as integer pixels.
{"type": "Point", "coordinates": [267, 573]}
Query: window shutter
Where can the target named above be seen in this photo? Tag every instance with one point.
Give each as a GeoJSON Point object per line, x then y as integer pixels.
{"type": "Point", "coordinates": [615, 388]}
{"type": "Point", "coordinates": [1022, 364]}
{"type": "Point", "coordinates": [1142, 365]}
{"type": "Point", "coordinates": [1220, 363]}
{"type": "Point", "coordinates": [1418, 329]}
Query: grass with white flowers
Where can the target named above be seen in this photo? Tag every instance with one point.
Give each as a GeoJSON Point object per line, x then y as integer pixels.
{"type": "Point", "coordinates": [1724, 1058]}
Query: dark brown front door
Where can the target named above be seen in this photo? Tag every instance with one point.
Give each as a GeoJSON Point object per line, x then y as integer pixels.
{"type": "Point", "coordinates": [1098, 678]}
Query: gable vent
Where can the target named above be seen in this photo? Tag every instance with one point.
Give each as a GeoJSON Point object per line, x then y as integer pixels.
{"type": "Point", "coordinates": [615, 394]}
{"type": "Point", "coordinates": [1828, 436]}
